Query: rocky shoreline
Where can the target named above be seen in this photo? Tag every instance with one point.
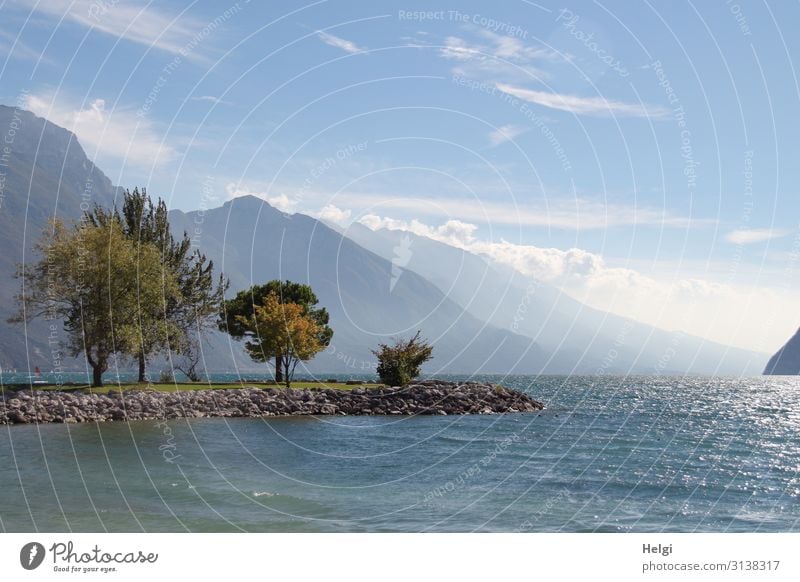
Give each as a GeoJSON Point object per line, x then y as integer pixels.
{"type": "Point", "coordinates": [427, 397]}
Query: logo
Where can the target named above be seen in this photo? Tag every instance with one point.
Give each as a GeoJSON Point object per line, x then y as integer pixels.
{"type": "Point", "coordinates": [31, 555]}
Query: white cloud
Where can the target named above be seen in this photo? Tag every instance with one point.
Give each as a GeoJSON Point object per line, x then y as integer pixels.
{"type": "Point", "coordinates": [211, 99]}
{"type": "Point", "coordinates": [340, 43]}
{"type": "Point", "coordinates": [583, 105]}
{"type": "Point", "coordinates": [280, 201]}
{"type": "Point", "coordinates": [577, 214]}
{"type": "Point", "coordinates": [497, 47]}
{"type": "Point", "coordinates": [12, 46]}
{"type": "Point", "coordinates": [747, 317]}
{"type": "Point", "coordinates": [118, 133]}
{"type": "Point", "coordinates": [453, 232]}
{"type": "Point", "coordinates": [137, 22]}
{"type": "Point", "coordinates": [505, 133]}
{"type": "Point", "coordinates": [499, 56]}
{"type": "Point", "coordinates": [748, 236]}
{"type": "Point", "coordinates": [333, 214]}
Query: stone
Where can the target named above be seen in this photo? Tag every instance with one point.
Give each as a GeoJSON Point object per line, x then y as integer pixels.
{"type": "Point", "coordinates": [426, 397]}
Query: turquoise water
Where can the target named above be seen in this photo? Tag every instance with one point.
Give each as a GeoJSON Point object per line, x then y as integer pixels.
{"type": "Point", "coordinates": [608, 454]}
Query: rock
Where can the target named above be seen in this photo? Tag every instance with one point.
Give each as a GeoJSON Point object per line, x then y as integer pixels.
{"type": "Point", "coordinates": [426, 397]}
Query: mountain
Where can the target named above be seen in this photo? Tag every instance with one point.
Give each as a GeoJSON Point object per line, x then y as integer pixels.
{"type": "Point", "coordinates": [368, 301]}
{"type": "Point", "coordinates": [376, 285]}
{"type": "Point", "coordinates": [586, 339]}
{"type": "Point", "coordinates": [786, 361]}
{"type": "Point", "coordinates": [44, 174]}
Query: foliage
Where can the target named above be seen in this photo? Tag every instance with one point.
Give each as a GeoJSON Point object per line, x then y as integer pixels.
{"type": "Point", "coordinates": [166, 377]}
{"type": "Point", "coordinates": [242, 308]}
{"type": "Point", "coordinates": [283, 329]}
{"type": "Point", "coordinates": [192, 311]}
{"type": "Point", "coordinates": [101, 285]}
{"type": "Point", "coordinates": [400, 363]}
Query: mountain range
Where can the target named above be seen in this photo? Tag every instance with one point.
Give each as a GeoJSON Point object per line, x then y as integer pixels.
{"type": "Point", "coordinates": [481, 317]}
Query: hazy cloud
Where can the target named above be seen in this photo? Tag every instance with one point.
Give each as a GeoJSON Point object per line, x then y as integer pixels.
{"type": "Point", "coordinates": [733, 315]}
{"type": "Point", "coordinates": [210, 99]}
{"type": "Point", "coordinates": [131, 20]}
{"type": "Point", "coordinates": [495, 56]}
{"type": "Point", "coordinates": [583, 105]}
{"type": "Point", "coordinates": [505, 133]}
{"type": "Point", "coordinates": [118, 133]}
{"type": "Point", "coordinates": [748, 236]}
{"type": "Point", "coordinates": [280, 201]}
{"type": "Point", "coordinates": [340, 43]}
{"type": "Point", "coordinates": [333, 214]}
{"type": "Point", "coordinates": [576, 214]}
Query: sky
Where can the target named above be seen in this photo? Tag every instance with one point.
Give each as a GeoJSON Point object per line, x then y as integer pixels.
{"type": "Point", "coordinates": [640, 156]}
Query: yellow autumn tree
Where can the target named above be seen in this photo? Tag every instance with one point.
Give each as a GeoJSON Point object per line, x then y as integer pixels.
{"type": "Point", "coordinates": [281, 328]}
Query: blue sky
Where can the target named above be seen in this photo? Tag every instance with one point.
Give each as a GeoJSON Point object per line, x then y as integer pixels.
{"type": "Point", "coordinates": [640, 155]}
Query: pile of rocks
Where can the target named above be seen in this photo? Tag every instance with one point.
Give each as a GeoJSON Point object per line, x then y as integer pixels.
{"type": "Point", "coordinates": [428, 397]}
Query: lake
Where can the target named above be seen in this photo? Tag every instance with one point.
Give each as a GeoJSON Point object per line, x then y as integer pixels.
{"type": "Point", "coordinates": [608, 454]}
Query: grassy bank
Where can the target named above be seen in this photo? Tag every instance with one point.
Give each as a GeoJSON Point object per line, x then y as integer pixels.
{"type": "Point", "coordinates": [186, 386]}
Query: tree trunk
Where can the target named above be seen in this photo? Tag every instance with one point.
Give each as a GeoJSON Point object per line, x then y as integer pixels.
{"type": "Point", "coordinates": [278, 369]}
{"type": "Point", "coordinates": [97, 376]}
{"type": "Point", "coordinates": [142, 368]}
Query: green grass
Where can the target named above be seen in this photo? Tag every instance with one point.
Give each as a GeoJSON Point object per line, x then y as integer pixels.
{"type": "Point", "coordinates": [187, 386]}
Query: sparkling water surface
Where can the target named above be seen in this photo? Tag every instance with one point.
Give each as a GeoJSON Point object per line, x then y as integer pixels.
{"type": "Point", "coordinates": [608, 454]}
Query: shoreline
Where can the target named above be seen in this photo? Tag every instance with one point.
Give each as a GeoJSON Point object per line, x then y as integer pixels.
{"type": "Point", "coordinates": [429, 397]}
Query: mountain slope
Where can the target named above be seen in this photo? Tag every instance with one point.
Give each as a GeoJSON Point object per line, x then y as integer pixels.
{"type": "Point", "coordinates": [253, 242]}
{"type": "Point", "coordinates": [481, 318]}
{"type": "Point", "coordinates": [588, 339]}
{"type": "Point", "coordinates": [44, 174]}
{"type": "Point", "coordinates": [786, 361]}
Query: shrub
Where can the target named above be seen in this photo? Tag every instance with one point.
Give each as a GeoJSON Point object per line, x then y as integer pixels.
{"type": "Point", "coordinates": [166, 377]}
{"type": "Point", "coordinates": [400, 363]}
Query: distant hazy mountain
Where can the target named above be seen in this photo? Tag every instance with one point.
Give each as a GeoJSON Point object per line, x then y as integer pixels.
{"type": "Point", "coordinates": [43, 174]}
{"type": "Point", "coordinates": [481, 319]}
{"type": "Point", "coordinates": [586, 339]}
{"type": "Point", "coordinates": [370, 299]}
{"type": "Point", "coordinates": [786, 360]}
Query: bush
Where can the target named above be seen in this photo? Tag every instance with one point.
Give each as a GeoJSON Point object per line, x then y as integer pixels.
{"type": "Point", "coordinates": [166, 377]}
{"type": "Point", "coordinates": [400, 363]}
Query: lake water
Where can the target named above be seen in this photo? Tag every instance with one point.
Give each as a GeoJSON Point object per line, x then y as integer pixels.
{"type": "Point", "coordinates": [608, 454]}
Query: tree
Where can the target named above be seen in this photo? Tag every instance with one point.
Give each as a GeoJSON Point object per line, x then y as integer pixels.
{"type": "Point", "coordinates": [99, 283]}
{"type": "Point", "coordinates": [281, 328]}
{"type": "Point", "coordinates": [191, 312]}
{"type": "Point", "coordinates": [244, 303]}
{"type": "Point", "coordinates": [400, 363]}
